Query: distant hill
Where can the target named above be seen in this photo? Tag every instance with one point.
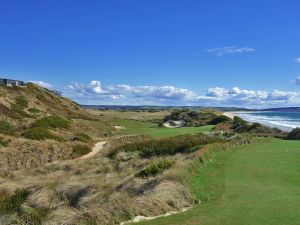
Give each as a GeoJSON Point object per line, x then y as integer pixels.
{"type": "Point", "coordinates": [149, 107]}
{"type": "Point", "coordinates": [287, 109]}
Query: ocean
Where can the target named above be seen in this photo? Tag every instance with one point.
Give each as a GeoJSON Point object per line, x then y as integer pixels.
{"type": "Point", "coordinates": [283, 120]}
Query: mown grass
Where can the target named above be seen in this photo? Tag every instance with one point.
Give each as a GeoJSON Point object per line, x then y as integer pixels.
{"type": "Point", "coordinates": [247, 185]}
{"type": "Point", "coordinates": [153, 129]}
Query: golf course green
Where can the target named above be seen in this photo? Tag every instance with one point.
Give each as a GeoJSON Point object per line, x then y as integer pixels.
{"type": "Point", "coordinates": [153, 130]}
{"type": "Point", "coordinates": [255, 184]}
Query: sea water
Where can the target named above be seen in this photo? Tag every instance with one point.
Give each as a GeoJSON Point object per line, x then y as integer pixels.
{"type": "Point", "coordinates": [282, 120]}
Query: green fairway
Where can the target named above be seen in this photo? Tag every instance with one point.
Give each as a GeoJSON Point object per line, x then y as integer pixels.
{"type": "Point", "coordinates": [256, 184]}
{"type": "Point", "coordinates": [152, 129]}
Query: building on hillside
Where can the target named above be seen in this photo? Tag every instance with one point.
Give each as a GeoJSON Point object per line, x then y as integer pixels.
{"type": "Point", "coordinates": [12, 83]}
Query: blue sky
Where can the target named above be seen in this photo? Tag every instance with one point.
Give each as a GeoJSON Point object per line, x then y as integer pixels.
{"type": "Point", "coordinates": [162, 52]}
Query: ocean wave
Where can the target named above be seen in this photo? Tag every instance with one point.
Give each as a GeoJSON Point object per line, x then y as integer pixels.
{"type": "Point", "coordinates": [282, 121]}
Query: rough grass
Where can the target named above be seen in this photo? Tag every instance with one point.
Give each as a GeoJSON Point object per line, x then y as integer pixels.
{"type": "Point", "coordinates": [5, 127]}
{"type": "Point", "coordinates": [39, 133]}
{"type": "Point", "coordinates": [80, 150]}
{"type": "Point", "coordinates": [82, 137]}
{"type": "Point", "coordinates": [12, 203]}
{"type": "Point", "coordinates": [156, 168]}
{"type": "Point", "coordinates": [53, 122]}
{"type": "Point", "coordinates": [248, 185]}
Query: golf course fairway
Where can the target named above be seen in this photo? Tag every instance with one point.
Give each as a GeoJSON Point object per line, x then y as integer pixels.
{"type": "Point", "coordinates": [255, 184]}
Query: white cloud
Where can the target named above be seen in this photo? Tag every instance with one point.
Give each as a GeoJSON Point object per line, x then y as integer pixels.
{"type": "Point", "coordinates": [96, 93]}
{"type": "Point", "coordinates": [297, 60]}
{"type": "Point", "coordinates": [43, 84]}
{"type": "Point", "coordinates": [230, 50]}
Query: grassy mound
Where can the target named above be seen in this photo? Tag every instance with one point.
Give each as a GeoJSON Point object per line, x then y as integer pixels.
{"type": "Point", "coordinates": [80, 150]}
{"type": "Point", "coordinates": [53, 122]}
{"type": "Point", "coordinates": [39, 133]}
{"type": "Point", "coordinates": [170, 146]}
{"type": "Point", "coordinates": [294, 134]}
{"type": "Point", "coordinates": [82, 137]}
{"type": "Point", "coordinates": [155, 169]}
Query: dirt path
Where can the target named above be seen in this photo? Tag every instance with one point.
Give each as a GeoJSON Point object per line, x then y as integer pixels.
{"type": "Point", "coordinates": [96, 149]}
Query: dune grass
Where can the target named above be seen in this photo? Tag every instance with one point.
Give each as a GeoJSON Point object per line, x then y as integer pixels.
{"type": "Point", "coordinates": [248, 185]}
{"type": "Point", "coordinates": [153, 130]}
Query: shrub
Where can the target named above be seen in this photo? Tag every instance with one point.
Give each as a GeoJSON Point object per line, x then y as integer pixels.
{"type": "Point", "coordinates": [53, 122]}
{"type": "Point", "coordinates": [155, 169]}
{"type": "Point", "coordinates": [219, 119]}
{"type": "Point", "coordinates": [39, 133]}
{"type": "Point", "coordinates": [12, 203]}
{"type": "Point", "coordinates": [294, 134]}
{"type": "Point", "coordinates": [33, 216]}
{"type": "Point", "coordinates": [170, 146]}
{"type": "Point", "coordinates": [5, 127]}
{"type": "Point", "coordinates": [19, 110]}
{"type": "Point", "coordinates": [21, 101]}
{"type": "Point", "coordinates": [80, 150]}
{"type": "Point", "coordinates": [82, 137]}
{"type": "Point", "coordinates": [34, 110]}
{"type": "Point", "coordinates": [3, 143]}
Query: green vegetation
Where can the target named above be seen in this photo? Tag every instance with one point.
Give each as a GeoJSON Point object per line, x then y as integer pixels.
{"type": "Point", "coordinates": [153, 129]}
{"type": "Point", "coordinates": [13, 202]}
{"type": "Point", "coordinates": [80, 150]}
{"type": "Point", "coordinates": [3, 142]}
{"type": "Point", "coordinates": [169, 146]}
{"type": "Point", "coordinates": [34, 110]}
{"type": "Point", "coordinates": [39, 133]}
{"type": "Point", "coordinates": [53, 122]}
{"type": "Point", "coordinates": [33, 216]}
{"type": "Point", "coordinates": [294, 134]}
{"type": "Point", "coordinates": [219, 119]}
{"type": "Point", "coordinates": [5, 127]}
{"type": "Point", "coordinates": [192, 118]}
{"type": "Point", "coordinates": [82, 137]}
{"type": "Point", "coordinates": [248, 185]}
{"type": "Point", "coordinates": [155, 169]}
{"type": "Point", "coordinates": [21, 101]}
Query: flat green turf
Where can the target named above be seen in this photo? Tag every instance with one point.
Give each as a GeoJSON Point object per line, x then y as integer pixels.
{"type": "Point", "coordinates": [257, 184]}
{"type": "Point", "coordinates": [152, 129]}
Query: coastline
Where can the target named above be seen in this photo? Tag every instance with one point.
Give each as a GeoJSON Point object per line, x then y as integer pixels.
{"type": "Point", "coordinates": [279, 121]}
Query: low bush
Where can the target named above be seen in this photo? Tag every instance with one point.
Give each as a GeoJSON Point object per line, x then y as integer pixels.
{"type": "Point", "coordinates": [219, 119]}
{"type": "Point", "coordinates": [19, 110]}
{"type": "Point", "coordinates": [3, 142]}
{"type": "Point", "coordinates": [5, 127]}
{"type": "Point", "coordinates": [82, 137]}
{"type": "Point", "coordinates": [155, 169]}
{"type": "Point", "coordinates": [34, 110]}
{"type": "Point", "coordinates": [33, 216]}
{"type": "Point", "coordinates": [170, 146]}
{"type": "Point", "coordinates": [12, 203]}
{"type": "Point", "coordinates": [39, 133]}
{"type": "Point", "coordinates": [53, 122]}
{"type": "Point", "coordinates": [80, 150]}
{"type": "Point", "coordinates": [294, 134]}
{"type": "Point", "coordinates": [21, 101]}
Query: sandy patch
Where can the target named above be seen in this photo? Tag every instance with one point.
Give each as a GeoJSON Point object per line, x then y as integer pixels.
{"type": "Point", "coordinates": [96, 149]}
{"type": "Point", "coordinates": [174, 123]}
{"type": "Point", "coordinates": [138, 219]}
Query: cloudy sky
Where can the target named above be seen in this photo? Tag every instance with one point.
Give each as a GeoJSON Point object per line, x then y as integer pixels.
{"type": "Point", "coordinates": [171, 52]}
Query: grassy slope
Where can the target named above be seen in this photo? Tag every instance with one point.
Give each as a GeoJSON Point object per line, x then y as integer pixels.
{"type": "Point", "coordinates": [152, 129]}
{"type": "Point", "coordinates": [256, 184]}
